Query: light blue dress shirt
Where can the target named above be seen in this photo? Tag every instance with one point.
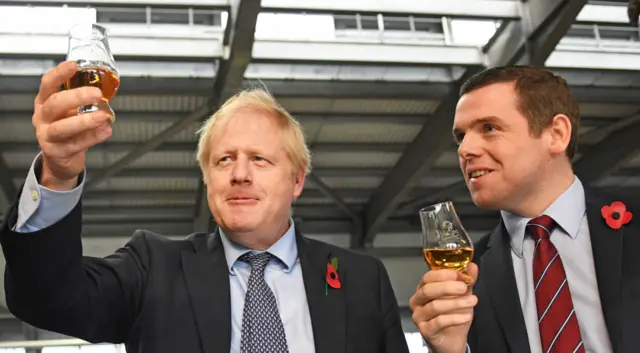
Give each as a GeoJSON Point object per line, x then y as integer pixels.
{"type": "Point", "coordinates": [40, 207]}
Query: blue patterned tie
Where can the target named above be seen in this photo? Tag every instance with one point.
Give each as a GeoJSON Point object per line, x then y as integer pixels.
{"type": "Point", "coordinates": [262, 329]}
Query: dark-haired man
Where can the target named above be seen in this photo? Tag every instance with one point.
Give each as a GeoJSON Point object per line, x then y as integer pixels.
{"type": "Point", "coordinates": [555, 275]}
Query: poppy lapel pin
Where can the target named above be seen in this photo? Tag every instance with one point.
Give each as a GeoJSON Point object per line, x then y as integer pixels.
{"type": "Point", "coordinates": [616, 214]}
{"type": "Point", "coordinates": [331, 277]}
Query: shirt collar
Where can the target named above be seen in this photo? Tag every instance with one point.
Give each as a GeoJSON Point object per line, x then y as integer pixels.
{"type": "Point", "coordinates": [285, 249]}
{"type": "Point", "coordinates": [567, 211]}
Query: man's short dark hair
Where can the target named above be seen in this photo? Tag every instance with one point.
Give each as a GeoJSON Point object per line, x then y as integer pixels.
{"type": "Point", "coordinates": [541, 96]}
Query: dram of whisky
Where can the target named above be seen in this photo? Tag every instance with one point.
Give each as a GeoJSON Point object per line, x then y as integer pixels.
{"type": "Point", "coordinates": [96, 76]}
{"type": "Point", "coordinates": [452, 259]}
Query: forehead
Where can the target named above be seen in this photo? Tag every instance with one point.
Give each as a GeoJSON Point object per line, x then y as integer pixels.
{"type": "Point", "coordinates": [498, 101]}
{"type": "Point", "coordinates": [245, 127]}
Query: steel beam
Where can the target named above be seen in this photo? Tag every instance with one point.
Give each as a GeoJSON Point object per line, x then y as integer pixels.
{"type": "Point", "coordinates": [228, 80]}
{"type": "Point", "coordinates": [221, 4]}
{"type": "Point", "coordinates": [350, 52]}
{"type": "Point", "coordinates": [241, 28]}
{"type": "Point", "coordinates": [598, 57]}
{"type": "Point", "coordinates": [7, 187]}
{"type": "Point", "coordinates": [455, 8]}
{"type": "Point", "coordinates": [603, 158]}
{"type": "Point", "coordinates": [19, 117]}
{"type": "Point", "coordinates": [603, 13]}
{"type": "Point", "coordinates": [532, 39]}
{"type": "Point", "coordinates": [195, 172]}
{"type": "Point", "coordinates": [307, 227]}
{"type": "Point", "coordinates": [423, 199]}
{"type": "Point", "coordinates": [420, 156]}
{"type": "Point", "coordinates": [322, 186]}
{"type": "Point", "coordinates": [116, 147]}
{"type": "Point", "coordinates": [529, 40]}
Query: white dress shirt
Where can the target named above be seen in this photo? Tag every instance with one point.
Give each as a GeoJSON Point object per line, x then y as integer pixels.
{"type": "Point", "coordinates": [571, 238]}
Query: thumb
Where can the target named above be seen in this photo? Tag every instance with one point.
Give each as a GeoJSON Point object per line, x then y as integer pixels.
{"type": "Point", "coordinates": [472, 270]}
{"type": "Point", "coordinates": [470, 275]}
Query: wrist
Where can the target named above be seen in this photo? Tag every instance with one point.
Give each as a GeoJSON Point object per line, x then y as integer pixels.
{"type": "Point", "coordinates": [50, 181]}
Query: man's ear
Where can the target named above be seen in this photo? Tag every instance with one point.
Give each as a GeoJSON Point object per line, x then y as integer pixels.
{"type": "Point", "coordinates": [560, 134]}
{"type": "Point", "coordinates": [299, 178]}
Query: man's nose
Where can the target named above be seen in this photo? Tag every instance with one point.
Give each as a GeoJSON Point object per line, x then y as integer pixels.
{"type": "Point", "coordinates": [469, 147]}
{"type": "Point", "coordinates": [241, 172]}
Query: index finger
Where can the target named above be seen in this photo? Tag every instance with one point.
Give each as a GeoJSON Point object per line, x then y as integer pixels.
{"type": "Point", "coordinates": [438, 276]}
{"type": "Point", "coordinates": [51, 81]}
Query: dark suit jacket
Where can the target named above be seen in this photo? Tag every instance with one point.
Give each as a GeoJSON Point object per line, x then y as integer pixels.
{"type": "Point", "coordinates": [158, 295]}
{"type": "Point", "coordinates": [498, 325]}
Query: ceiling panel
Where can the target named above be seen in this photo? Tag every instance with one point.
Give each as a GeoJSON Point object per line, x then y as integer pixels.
{"type": "Point", "coordinates": [362, 133]}
{"type": "Point", "coordinates": [140, 202]}
{"type": "Point", "coordinates": [17, 131]}
{"type": "Point", "coordinates": [17, 101]}
{"type": "Point", "coordinates": [148, 183]}
{"type": "Point", "coordinates": [327, 201]}
{"type": "Point", "coordinates": [354, 159]}
{"type": "Point", "coordinates": [157, 103]}
{"type": "Point", "coordinates": [439, 181]}
{"type": "Point", "coordinates": [359, 106]}
{"type": "Point", "coordinates": [359, 182]}
{"type": "Point", "coordinates": [142, 131]}
{"type": "Point", "coordinates": [448, 159]}
{"type": "Point", "coordinates": [19, 160]}
{"type": "Point", "coordinates": [619, 181]}
{"type": "Point", "coordinates": [633, 161]}
{"type": "Point", "coordinates": [608, 110]}
{"type": "Point", "coordinates": [167, 160]}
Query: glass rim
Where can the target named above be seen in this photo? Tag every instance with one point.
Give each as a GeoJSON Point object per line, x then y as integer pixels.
{"type": "Point", "coordinates": [434, 206]}
{"type": "Point", "coordinates": [93, 35]}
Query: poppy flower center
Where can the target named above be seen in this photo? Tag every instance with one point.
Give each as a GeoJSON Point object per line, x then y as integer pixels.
{"type": "Point", "coordinates": [332, 275]}
{"type": "Point", "coordinates": [615, 215]}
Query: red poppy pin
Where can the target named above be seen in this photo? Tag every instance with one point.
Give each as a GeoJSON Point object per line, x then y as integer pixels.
{"type": "Point", "coordinates": [332, 275]}
{"type": "Point", "coordinates": [616, 214]}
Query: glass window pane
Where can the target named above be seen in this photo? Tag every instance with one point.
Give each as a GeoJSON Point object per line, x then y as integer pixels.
{"type": "Point", "coordinates": [345, 22]}
{"type": "Point", "coordinates": [121, 15]}
{"type": "Point", "coordinates": [430, 25]}
{"type": "Point", "coordinates": [207, 18]}
{"type": "Point", "coordinates": [170, 16]}
{"type": "Point", "coordinates": [396, 23]}
{"type": "Point", "coordinates": [369, 22]}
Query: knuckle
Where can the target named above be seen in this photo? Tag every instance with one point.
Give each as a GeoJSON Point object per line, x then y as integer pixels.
{"type": "Point", "coordinates": [41, 134]}
{"type": "Point", "coordinates": [415, 317]}
{"type": "Point", "coordinates": [425, 277]}
{"type": "Point", "coordinates": [426, 328]}
{"type": "Point", "coordinates": [45, 79]}
{"type": "Point", "coordinates": [433, 306]}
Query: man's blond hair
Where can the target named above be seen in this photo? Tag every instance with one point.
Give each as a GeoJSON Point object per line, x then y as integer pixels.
{"type": "Point", "coordinates": [260, 100]}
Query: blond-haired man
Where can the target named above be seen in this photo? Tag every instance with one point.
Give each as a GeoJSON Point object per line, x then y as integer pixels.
{"type": "Point", "coordinates": [254, 285]}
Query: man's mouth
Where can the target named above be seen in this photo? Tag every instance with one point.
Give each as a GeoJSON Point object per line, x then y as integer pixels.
{"type": "Point", "coordinates": [476, 174]}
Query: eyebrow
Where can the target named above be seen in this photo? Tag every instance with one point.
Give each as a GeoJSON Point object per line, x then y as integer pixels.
{"type": "Point", "coordinates": [483, 120]}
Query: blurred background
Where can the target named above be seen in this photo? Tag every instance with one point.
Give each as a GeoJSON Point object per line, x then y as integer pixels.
{"type": "Point", "coordinates": [373, 82]}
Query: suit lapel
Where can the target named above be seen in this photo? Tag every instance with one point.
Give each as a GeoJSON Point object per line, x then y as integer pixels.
{"type": "Point", "coordinates": [606, 244]}
{"type": "Point", "coordinates": [326, 305]}
{"type": "Point", "coordinates": [207, 277]}
{"type": "Point", "coordinates": [497, 272]}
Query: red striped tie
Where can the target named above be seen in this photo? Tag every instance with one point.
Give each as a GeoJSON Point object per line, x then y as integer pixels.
{"type": "Point", "coordinates": [559, 330]}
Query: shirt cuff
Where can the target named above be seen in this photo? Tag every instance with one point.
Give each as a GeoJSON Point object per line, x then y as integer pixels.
{"type": "Point", "coordinates": [40, 207]}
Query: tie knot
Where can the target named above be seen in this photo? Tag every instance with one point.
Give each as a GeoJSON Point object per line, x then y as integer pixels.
{"type": "Point", "coordinates": [258, 262]}
{"type": "Point", "coordinates": [541, 227]}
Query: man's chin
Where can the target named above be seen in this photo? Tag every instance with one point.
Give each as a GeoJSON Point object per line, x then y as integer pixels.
{"type": "Point", "coordinates": [484, 201]}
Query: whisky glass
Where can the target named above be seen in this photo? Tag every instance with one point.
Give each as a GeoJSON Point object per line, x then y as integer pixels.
{"type": "Point", "coordinates": [89, 48]}
{"type": "Point", "coordinates": [445, 242]}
